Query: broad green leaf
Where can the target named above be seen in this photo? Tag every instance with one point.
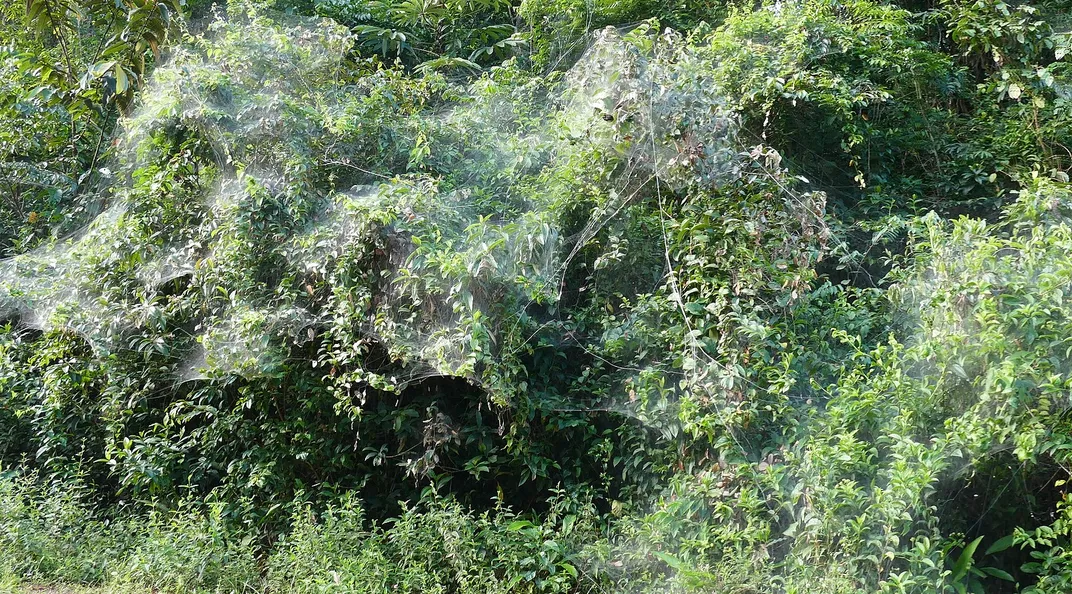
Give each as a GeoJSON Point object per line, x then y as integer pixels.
{"type": "Point", "coordinates": [122, 82]}
{"type": "Point", "coordinates": [965, 560]}
{"type": "Point", "coordinates": [1000, 545]}
{"type": "Point", "coordinates": [998, 573]}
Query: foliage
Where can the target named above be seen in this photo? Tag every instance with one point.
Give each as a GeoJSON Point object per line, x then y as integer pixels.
{"type": "Point", "coordinates": [430, 34]}
{"type": "Point", "coordinates": [559, 296]}
{"type": "Point", "coordinates": [67, 72]}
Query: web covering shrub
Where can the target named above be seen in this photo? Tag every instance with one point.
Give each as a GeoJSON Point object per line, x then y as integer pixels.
{"type": "Point", "coordinates": [346, 326]}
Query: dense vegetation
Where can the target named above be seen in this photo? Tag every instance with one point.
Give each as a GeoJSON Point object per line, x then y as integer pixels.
{"type": "Point", "coordinates": [549, 296]}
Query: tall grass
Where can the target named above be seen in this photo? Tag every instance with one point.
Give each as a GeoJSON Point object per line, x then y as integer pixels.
{"type": "Point", "coordinates": [51, 535]}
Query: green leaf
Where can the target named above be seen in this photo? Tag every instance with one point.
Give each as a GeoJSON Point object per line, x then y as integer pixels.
{"type": "Point", "coordinates": [999, 545]}
{"type": "Point", "coordinates": [997, 573]}
{"type": "Point", "coordinates": [669, 559]}
{"type": "Point", "coordinates": [122, 82]}
{"type": "Point", "coordinates": [101, 68]}
{"type": "Point", "coordinates": [965, 560]}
